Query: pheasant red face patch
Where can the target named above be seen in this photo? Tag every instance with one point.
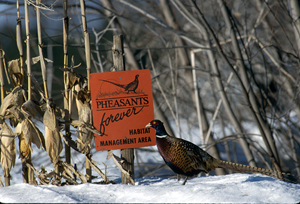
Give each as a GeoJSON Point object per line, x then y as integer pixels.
{"type": "Point", "coordinates": [122, 105]}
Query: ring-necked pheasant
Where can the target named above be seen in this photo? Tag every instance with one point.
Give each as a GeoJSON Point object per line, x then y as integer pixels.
{"type": "Point", "coordinates": [132, 86]}
{"type": "Point", "coordinates": [185, 158]}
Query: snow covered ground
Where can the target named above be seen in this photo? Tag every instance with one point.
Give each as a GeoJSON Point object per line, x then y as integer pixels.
{"type": "Point", "coordinates": [242, 188]}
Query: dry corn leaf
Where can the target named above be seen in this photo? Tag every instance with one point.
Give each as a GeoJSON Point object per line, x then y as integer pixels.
{"type": "Point", "coordinates": [85, 113]}
{"type": "Point", "coordinates": [81, 92]}
{"type": "Point", "coordinates": [42, 176]}
{"type": "Point", "coordinates": [95, 167]}
{"type": "Point", "coordinates": [31, 133]}
{"type": "Point", "coordinates": [69, 169]}
{"type": "Point", "coordinates": [83, 96]}
{"type": "Point", "coordinates": [16, 113]}
{"type": "Point", "coordinates": [49, 118]}
{"type": "Point", "coordinates": [32, 108]}
{"type": "Point", "coordinates": [118, 161]}
{"type": "Point", "coordinates": [76, 90]}
{"type": "Point", "coordinates": [73, 78]}
{"type": "Point", "coordinates": [8, 150]}
{"type": "Point", "coordinates": [15, 98]}
{"type": "Point", "coordinates": [90, 127]}
{"type": "Point", "coordinates": [15, 72]}
{"type": "Point", "coordinates": [68, 172]}
{"type": "Point", "coordinates": [84, 135]}
{"type": "Point", "coordinates": [36, 59]}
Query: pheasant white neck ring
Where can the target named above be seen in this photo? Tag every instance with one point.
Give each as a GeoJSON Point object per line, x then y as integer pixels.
{"type": "Point", "coordinates": [161, 136]}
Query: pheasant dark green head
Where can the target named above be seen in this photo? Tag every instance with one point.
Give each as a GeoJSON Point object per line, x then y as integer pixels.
{"type": "Point", "coordinates": [159, 127]}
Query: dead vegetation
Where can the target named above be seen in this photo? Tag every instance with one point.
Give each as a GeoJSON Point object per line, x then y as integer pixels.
{"type": "Point", "coordinates": [228, 70]}
{"type": "Point", "coordinates": [22, 108]}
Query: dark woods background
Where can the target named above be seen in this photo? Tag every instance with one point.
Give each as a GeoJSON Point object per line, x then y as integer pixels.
{"type": "Point", "coordinates": [225, 74]}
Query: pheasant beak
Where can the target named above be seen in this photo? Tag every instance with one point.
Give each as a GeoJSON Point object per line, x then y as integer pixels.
{"type": "Point", "coordinates": [148, 125]}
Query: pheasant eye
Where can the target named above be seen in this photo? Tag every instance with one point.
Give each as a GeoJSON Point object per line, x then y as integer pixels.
{"type": "Point", "coordinates": [154, 123]}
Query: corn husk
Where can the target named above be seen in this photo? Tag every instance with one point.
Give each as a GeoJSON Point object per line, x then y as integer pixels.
{"type": "Point", "coordinates": [24, 148]}
{"type": "Point", "coordinates": [8, 150]}
{"type": "Point", "coordinates": [53, 136]}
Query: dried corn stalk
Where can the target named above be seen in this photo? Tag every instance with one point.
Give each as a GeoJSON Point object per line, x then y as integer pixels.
{"type": "Point", "coordinates": [69, 173]}
{"type": "Point", "coordinates": [20, 116]}
{"type": "Point", "coordinates": [43, 176]}
{"type": "Point", "coordinates": [82, 99]}
{"type": "Point", "coordinates": [85, 136]}
{"type": "Point", "coordinates": [28, 133]}
{"type": "Point", "coordinates": [8, 150]}
{"type": "Point", "coordinates": [1, 183]}
{"type": "Point", "coordinates": [118, 161]}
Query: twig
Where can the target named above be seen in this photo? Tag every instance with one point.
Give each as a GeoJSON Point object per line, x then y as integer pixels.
{"type": "Point", "coordinates": [119, 162]}
{"type": "Point", "coordinates": [160, 87]}
{"type": "Point", "coordinates": [95, 167]}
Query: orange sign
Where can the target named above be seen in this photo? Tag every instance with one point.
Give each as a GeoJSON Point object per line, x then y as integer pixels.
{"type": "Point", "coordinates": [122, 106]}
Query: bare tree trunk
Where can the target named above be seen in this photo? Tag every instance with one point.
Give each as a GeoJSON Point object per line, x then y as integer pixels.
{"type": "Point", "coordinates": [295, 9]}
{"type": "Point", "coordinates": [184, 61]}
{"type": "Point", "coordinates": [295, 13]}
{"type": "Point", "coordinates": [119, 65]}
{"type": "Point", "coordinates": [129, 54]}
{"type": "Point", "coordinates": [265, 128]}
{"type": "Point", "coordinates": [218, 82]}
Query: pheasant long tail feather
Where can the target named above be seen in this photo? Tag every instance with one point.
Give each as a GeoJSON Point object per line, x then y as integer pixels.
{"type": "Point", "coordinates": [241, 167]}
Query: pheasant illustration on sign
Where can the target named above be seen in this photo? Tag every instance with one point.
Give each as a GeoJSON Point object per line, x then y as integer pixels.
{"type": "Point", "coordinates": [132, 86]}
{"type": "Point", "coordinates": [122, 104]}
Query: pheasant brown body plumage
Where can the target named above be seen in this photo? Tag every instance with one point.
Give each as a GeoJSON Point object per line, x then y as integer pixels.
{"type": "Point", "coordinates": [183, 158]}
{"type": "Point", "coordinates": [186, 158]}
